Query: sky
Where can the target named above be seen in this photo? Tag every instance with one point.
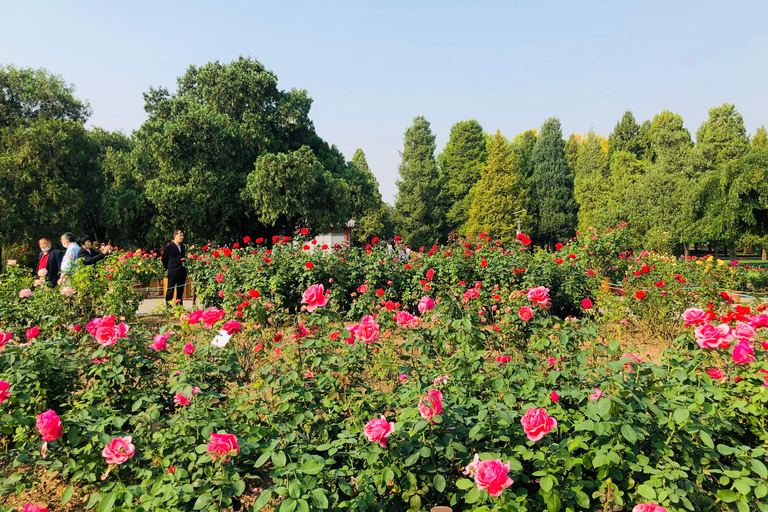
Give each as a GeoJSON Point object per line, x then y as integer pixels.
{"type": "Point", "coordinates": [371, 67]}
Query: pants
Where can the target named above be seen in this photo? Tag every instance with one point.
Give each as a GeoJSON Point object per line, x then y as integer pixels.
{"type": "Point", "coordinates": [176, 280]}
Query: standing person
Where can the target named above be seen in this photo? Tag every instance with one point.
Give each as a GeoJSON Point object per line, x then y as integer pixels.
{"type": "Point", "coordinates": [49, 261]}
{"type": "Point", "coordinates": [87, 254]}
{"type": "Point", "coordinates": [173, 258]}
{"type": "Point", "coordinates": [69, 260]}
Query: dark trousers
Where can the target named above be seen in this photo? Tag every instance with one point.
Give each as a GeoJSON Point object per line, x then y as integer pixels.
{"type": "Point", "coordinates": [176, 280]}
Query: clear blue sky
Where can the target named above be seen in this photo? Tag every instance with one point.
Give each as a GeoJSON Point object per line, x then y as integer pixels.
{"type": "Point", "coordinates": [372, 67]}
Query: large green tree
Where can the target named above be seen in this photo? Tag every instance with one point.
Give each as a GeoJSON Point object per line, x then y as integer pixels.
{"type": "Point", "coordinates": [460, 163]}
{"type": "Point", "coordinates": [499, 194]}
{"type": "Point", "coordinates": [626, 136]}
{"type": "Point", "coordinates": [552, 186]}
{"type": "Point", "coordinates": [418, 212]}
{"type": "Point", "coordinates": [722, 137]}
{"type": "Point", "coordinates": [591, 182]}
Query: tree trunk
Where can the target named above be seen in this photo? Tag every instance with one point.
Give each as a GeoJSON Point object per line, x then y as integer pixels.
{"type": "Point", "coordinates": [717, 252]}
{"type": "Point", "coordinates": [685, 249]}
{"type": "Point", "coordinates": [765, 254]}
{"type": "Point", "coordinates": [732, 251]}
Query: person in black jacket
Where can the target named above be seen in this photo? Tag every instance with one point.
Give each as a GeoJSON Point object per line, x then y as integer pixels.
{"type": "Point", "coordinates": [88, 255]}
{"type": "Point", "coordinates": [49, 261]}
{"type": "Point", "coordinates": [173, 258]}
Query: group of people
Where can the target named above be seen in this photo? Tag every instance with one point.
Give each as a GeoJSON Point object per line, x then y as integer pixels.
{"type": "Point", "coordinates": [55, 266]}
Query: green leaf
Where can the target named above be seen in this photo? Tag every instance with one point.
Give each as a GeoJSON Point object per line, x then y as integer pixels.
{"type": "Point", "coordinates": [239, 487]}
{"type": "Point", "coordinates": [319, 500]}
{"type": "Point", "coordinates": [464, 484]}
{"type": "Point", "coordinates": [303, 506]}
{"type": "Point", "coordinates": [278, 459]}
{"type": "Point", "coordinates": [311, 467]}
{"type": "Point", "coordinates": [439, 482]}
{"type": "Point", "coordinates": [263, 499]}
{"type": "Point", "coordinates": [759, 468]}
{"type": "Point", "coordinates": [288, 505]}
{"type": "Point", "coordinates": [582, 499]}
{"type": "Point", "coordinates": [16, 477]}
{"type": "Point", "coordinates": [727, 495]}
{"type": "Point", "coordinates": [294, 489]}
{"type": "Point", "coordinates": [599, 459]}
{"type": "Point", "coordinates": [646, 491]}
{"type": "Point", "coordinates": [681, 415]}
{"type": "Point", "coordinates": [108, 502]}
{"type": "Point", "coordinates": [413, 459]}
{"type": "Point", "coordinates": [628, 433]}
{"type": "Point", "coordinates": [547, 483]}
{"type": "Point", "coordinates": [553, 502]}
{"type": "Point", "coordinates": [93, 500]}
{"type": "Point", "coordinates": [202, 500]}
{"type": "Point", "coordinates": [706, 439]}
{"type": "Point", "coordinates": [261, 460]}
{"type": "Point", "coordinates": [67, 494]}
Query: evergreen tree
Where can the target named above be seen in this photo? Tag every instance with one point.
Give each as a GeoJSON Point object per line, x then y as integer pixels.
{"type": "Point", "coordinates": [760, 140]}
{"type": "Point", "coordinates": [374, 216]}
{"type": "Point", "coordinates": [522, 146]}
{"type": "Point", "coordinates": [552, 185]}
{"type": "Point", "coordinates": [572, 146]}
{"type": "Point", "coordinates": [417, 209]}
{"type": "Point", "coordinates": [625, 171]}
{"type": "Point", "coordinates": [591, 182]}
{"type": "Point", "coordinates": [722, 137]}
{"type": "Point", "coordinates": [460, 164]}
{"type": "Point", "coordinates": [670, 140]}
{"type": "Point", "coordinates": [499, 193]}
{"type": "Point", "coordinates": [626, 136]}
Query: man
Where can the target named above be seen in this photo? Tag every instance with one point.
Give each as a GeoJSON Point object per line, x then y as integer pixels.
{"type": "Point", "coordinates": [49, 261]}
{"type": "Point", "coordinates": [90, 256]}
{"type": "Point", "coordinates": [173, 258]}
{"type": "Point", "coordinates": [69, 261]}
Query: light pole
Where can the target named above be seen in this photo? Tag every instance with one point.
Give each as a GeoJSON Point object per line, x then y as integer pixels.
{"type": "Point", "coordinates": [519, 220]}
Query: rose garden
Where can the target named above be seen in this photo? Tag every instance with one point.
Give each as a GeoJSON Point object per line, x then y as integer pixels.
{"type": "Point", "coordinates": [476, 375]}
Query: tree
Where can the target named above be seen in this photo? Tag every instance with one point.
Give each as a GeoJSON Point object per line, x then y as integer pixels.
{"type": "Point", "coordinates": [760, 140]}
{"type": "Point", "coordinates": [460, 164]}
{"type": "Point", "coordinates": [374, 216]}
{"type": "Point", "coordinates": [722, 137]}
{"type": "Point", "coordinates": [499, 193]}
{"type": "Point", "coordinates": [199, 145]}
{"type": "Point", "coordinates": [417, 209]}
{"type": "Point", "coordinates": [626, 136]}
{"type": "Point", "coordinates": [625, 171]}
{"type": "Point", "coordinates": [552, 185]}
{"type": "Point", "coordinates": [670, 140]}
{"type": "Point", "coordinates": [591, 182]}
{"type": "Point", "coordinates": [572, 146]}
{"type": "Point", "coordinates": [29, 95]}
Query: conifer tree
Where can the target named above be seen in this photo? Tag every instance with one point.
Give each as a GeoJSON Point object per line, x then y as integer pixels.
{"type": "Point", "coordinates": [760, 140]}
{"type": "Point", "coordinates": [460, 164]}
{"type": "Point", "coordinates": [499, 193]}
{"type": "Point", "coordinates": [591, 182]}
{"type": "Point", "coordinates": [418, 216]}
{"type": "Point", "coordinates": [626, 136]}
{"type": "Point", "coordinates": [552, 186]}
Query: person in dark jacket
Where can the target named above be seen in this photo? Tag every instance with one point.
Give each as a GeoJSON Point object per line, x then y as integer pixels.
{"type": "Point", "coordinates": [173, 257]}
{"type": "Point", "coordinates": [87, 254]}
{"type": "Point", "coordinates": [49, 261]}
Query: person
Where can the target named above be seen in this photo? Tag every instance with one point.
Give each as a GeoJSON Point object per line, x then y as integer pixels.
{"type": "Point", "coordinates": [49, 261]}
{"type": "Point", "coordinates": [69, 260]}
{"type": "Point", "coordinates": [87, 254]}
{"type": "Point", "coordinates": [173, 257]}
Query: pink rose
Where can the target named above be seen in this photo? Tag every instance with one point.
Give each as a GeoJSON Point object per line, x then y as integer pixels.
{"type": "Point", "coordinates": [441, 379]}
{"type": "Point", "coordinates": [4, 394]}
{"type": "Point", "coordinates": [180, 399]}
{"type": "Point", "coordinates": [536, 423]}
{"type": "Point", "coordinates": [649, 507]}
{"type": "Point", "coordinates": [223, 444]}
{"type": "Point", "coordinates": [211, 316]}
{"type": "Point", "coordinates": [716, 374]}
{"type": "Point", "coordinates": [195, 317]}
{"type": "Point", "coordinates": [758, 321]}
{"type": "Point", "coordinates": [744, 332]}
{"type": "Point", "coordinates": [694, 316]}
{"type": "Point", "coordinates": [709, 336]}
{"type": "Point", "coordinates": [105, 330]}
{"type": "Point", "coordinates": [743, 353]}
{"type": "Point", "coordinates": [34, 508]}
{"type": "Point", "coordinates": [596, 394]}
{"type": "Point", "coordinates": [158, 343]}
{"type": "Point", "coordinates": [26, 292]}
{"type": "Point", "coordinates": [119, 450]}
{"type": "Point", "coordinates": [189, 349]}
{"type": "Point", "coordinates": [491, 475]}
{"type": "Point", "coordinates": [219, 278]}
{"type": "Point", "coordinates": [33, 332]}
{"type": "Point", "coordinates": [231, 327]}
{"type": "Point", "coordinates": [426, 304]}
{"type": "Point", "coordinates": [367, 330]}
{"type": "Point", "coordinates": [67, 291]}
{"type": "Point", "coordinates": [472, 466]}
{"type": "Point", "coordinates": [586, 304]}
{"type": "Point", "coordinates": [379, 430]}
{"type": "Point", "coordinates": [554, 396]}
{"type": "Point", "coordinates": [539, 295]}
{"type": "Point", "coordinates": [5, 337]}
{"type": "Point", "coordinates": [431, 404]}
{"type": "Point", "coordinates": [628, 366]}
{"type": "Point", "coordinates": [404, 319]}
{"type": "Point", "coordinates": [314, 297]}
{"type": "Point", "coordinates": [525, 313]}
{"type": "Point", "coordinates": [503, 359]}
{"type": "Point", "coordinates": [49, 426]}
